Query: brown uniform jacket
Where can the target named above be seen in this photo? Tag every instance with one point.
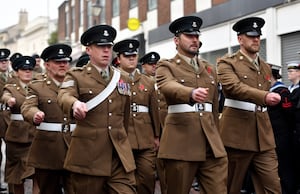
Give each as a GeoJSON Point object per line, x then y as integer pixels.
{"type": "Point", "coordinates": [102, 134]}
{"type": "Point", "coordinates": [186, 135]}
{"type": "Point", "coordinates": [143, 127]}
{"type": "Point", "coordinates": [4, 109]}
{"type": "Point", "coordinates": [242, 129]}
{"type": "Point", "coordinates": [18, 131]}
{"type": "Point", "coordinates": [48, 148]}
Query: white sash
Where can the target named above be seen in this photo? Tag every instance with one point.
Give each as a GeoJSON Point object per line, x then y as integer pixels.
{"type": "Point", "coordinates": [105, 93]}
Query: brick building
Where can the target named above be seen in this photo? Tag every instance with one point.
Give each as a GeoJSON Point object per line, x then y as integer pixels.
{"type": "Point", "coordinates": [280, 39]}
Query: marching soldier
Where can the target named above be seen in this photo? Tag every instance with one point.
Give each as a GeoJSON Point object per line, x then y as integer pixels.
{"type": "Point", "coordinates": [245, 125]}
{"type": "Point", "coordinates": [190, 145]}
{"type": "Point", "coordinates": [149, 62]}
{"type": "Point", "coordinates": [97, 96]}
{"type": "Point", "coordinates": [143, 129]}
{"type": "Point", "coordinates": [49, 147]}
{"type": "Point", "coordinates": [19, 133]}
{"type": "Point", "coordinates": [5, 77]}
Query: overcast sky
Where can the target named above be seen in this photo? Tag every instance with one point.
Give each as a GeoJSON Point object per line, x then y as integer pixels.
{"type": "Point", "coordinates": [9, 13]}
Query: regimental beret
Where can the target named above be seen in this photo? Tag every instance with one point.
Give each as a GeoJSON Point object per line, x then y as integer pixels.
{"type": "Point", "coordinates": [250, 26]}
{"type": "Point", "coordinates": [187, 25]}
{"type": "Point", "coordinates": [100, 35]}
{"type": "Point", "coordinates": [14, 57]}
{"type": "Point", "coordinates": [275, 70]}
{"type": "Point", "coordinates": [127, 47]}
{"type": "Point", "coordinates": [24, 63]}
{"type": "Point", "coordinates": [57, 52]}
{"type": "Point", "coordinates": [293, 65]}
{"type": "Point", "coordinates": [150, 58]}
{"type": "Point", "coordinates": [4, 53]}
{"type": "Point", "coordinates": [83, 60]}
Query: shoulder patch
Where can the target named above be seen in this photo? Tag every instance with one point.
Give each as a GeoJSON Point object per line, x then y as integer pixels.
{"type": "Point", "coordinates": [67, 84]}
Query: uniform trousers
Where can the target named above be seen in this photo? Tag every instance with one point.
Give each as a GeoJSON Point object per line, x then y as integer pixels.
{"type": "Point", "coordinates": [119, 182]}
{"type": "Point", "coordinates": [145, 170]}
{"type": "Point", "coordinates": [160, 168]}
{"type": "Point", "coordinates": [53, 181]}
{"type": "Point", "coordinates": [211, 173]}
{"type": "Point", "coordinates": [264, 170]}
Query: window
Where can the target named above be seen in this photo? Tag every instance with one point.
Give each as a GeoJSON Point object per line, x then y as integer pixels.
{"type": "Point", "coordinates": [81, 13]}
{"type": "Point", "coordinates": [115, 8]}
{"type": "Point", "coordinates": [73, 18]}
{"type": "Point", "coordinates": [152, 4]}
{"type": "Point", "coordinates": [133, 3]}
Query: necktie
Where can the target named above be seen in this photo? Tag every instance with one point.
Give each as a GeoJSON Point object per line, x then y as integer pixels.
{"type": "Point", "coordinates": [104, 75]}
{"type": "Point", "coordinates": [3, 77]}
{"type": "Point", "coordinates": [194, 64]}
{"type": "Point", "coordinates": [256, 64]}
{"type": "Point", "coordinates": [131, 76]}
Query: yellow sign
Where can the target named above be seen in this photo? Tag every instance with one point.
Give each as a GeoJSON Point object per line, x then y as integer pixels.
{"type": "Point", "coordinates": [133, 24]}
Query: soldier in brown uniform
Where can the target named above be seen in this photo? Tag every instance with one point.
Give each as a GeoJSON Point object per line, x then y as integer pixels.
{"type": "Point", "coordinates": [245, 125]}
{"type": "Point", "coordinates": [19, 134]}
{"type": "Point", "coordinates": [190, 145]}
{"type": "Point", "coordinates": [4, 111]}
{"type": "Point", "coordinates": [53, 134]}
{"type": "Point", "coordinates": [143, 130]}
{"type": "Point", "coordinates": [97, 96]}
{"type": "Point", "coordinates": [149, 62]}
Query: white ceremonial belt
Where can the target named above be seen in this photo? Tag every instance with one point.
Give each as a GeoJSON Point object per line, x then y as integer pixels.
{"type": "Point", "coordinates": [244, 105]}
{"type": "Point", "coordinates": [139, 108]}
{"type": "Point", "coordinates": [16, 117]}
{"type": "Point", "coordinates": [198, 107]}
{"type": "Point", "coordinates": [56, 127]}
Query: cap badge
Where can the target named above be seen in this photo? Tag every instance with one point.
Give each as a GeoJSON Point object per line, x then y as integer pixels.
{"type": "Point", "coordinates": [130, 45]}
{"type": "Point", "coordinates": [194, 24]}
{"type": "Point", "coordinates": [255, 25]}
{"type": "Point", "coordinates": [152, 56]}
{"type": "Point", "coordinates": [27, 61]}
{"type": "Point", "coordinates": [60, 51]}
{"type": "Point", "coordinates": [105, 33]}
{"type": "Point", "coordinates": [2, 53]}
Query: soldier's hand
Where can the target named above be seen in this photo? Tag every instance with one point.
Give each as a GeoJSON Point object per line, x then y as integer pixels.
{"type": "Point", "coordinates": [79, 110]}
{"type": "Point", "coordinates": [156, 143]}
{"type": "Point", "coordinates": [272, 99]}
{"type": "Point", "coordinates": [38, 117]}
{"type": "Point", "coordinates": [200, 94]}
{"type": "Point", "coordinates": [11, 102]}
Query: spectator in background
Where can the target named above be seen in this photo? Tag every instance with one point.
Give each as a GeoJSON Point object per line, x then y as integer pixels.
{"type": "Point", "coordinates": [280, 116]}
{"type": "Point", "coordinates": [293, 69]}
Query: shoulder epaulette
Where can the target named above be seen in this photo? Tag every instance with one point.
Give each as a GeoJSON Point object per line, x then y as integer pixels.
{"type": "Point", "coordinates": [76, 68]}
{"type": "Point", "coordinates": [38, 80]}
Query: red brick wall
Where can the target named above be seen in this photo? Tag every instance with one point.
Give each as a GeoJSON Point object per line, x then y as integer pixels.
{"type": "Point", "coordinates": [143, 8]}
{"type": "Point", "coordinates": [124, 13]}
{"type": "Point", "coordinates": [163, 12]}
{"type": "Point", "coordinates": [189, 7]}
{"type": "Point", "coordinates": [216, 2]}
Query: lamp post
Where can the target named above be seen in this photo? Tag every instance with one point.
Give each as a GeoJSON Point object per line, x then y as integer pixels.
{"type": "Point", "coordinates": [98, 10]}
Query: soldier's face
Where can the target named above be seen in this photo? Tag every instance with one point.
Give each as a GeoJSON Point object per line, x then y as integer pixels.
{"type": "Point", "coordinates": [249, 44]}
{"type": "Point", "coordinates": [293, 75]}
{"type": "Point", "coordinates": [100, 55]}
{"type": "Point", "coordinates": [187, 45]}
{"type": "Point", "coordinates": [25, 75]}
{"type": "Point", "coordinates": [128, 62]}
{"type": "Point", "coordinates": [149, 69]}
{"type": "Point", "coordinates": [57, 69]}
{"type": "Point", "coordinates": [4, 65]}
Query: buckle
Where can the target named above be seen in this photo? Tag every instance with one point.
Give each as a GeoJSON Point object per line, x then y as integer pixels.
{"type": "Point", "coordinates": [134, 107]}
{"type": "Point", "coordinates": [260, 108]}
{"type": "Point", "coordinates": [200, 107]}
{"type": "Point", "coordinates": [65, 128]}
